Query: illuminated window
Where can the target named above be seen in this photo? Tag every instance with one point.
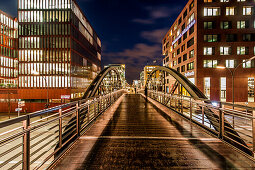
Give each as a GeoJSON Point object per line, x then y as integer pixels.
{"type": "Point", "coordinates": [211, 11]}
{"type": "Point", "coordinates": [207, 87]}
{"type": "Point", "coordinates": [210, 63]}
{"type": "Point", "coordinates": [191, 18]}
{"type": "Point", "coordinates": [224, 0]}
{"type": "Point", "coordinates": [208, 50]}
{"type": "Point", "coordinates": [208, 25]}
{"type": "Point", "coordinates": [247, 10]}
{"type": "Point", "coordinates": [230, 63]}
{"type": "Point", "coordinates": [226, 25]}
{"type": "Point", "coordinates": [242, 50]}
{"type": "Point", "coordinates": [230, 10]}
{"type": "Point", "coordinates": [211, 38]}
{"type": "Point", "coordinates": [242, 24]}
{"type": "Point", "coordinates": [248, 64]}
{"type": "Point", "coordinates": [250, 89]}
{"type": "Point", "coordinates": [223, 89]}
{"type": "Point", "coordinates": [225, 50]}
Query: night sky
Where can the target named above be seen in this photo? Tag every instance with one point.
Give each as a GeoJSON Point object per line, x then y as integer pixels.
{"type": "Point", "coordinates": [130, 30]}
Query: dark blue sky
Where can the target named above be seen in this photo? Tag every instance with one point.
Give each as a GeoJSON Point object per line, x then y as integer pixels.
{"type": "Point", "coordinates": [130, 30]}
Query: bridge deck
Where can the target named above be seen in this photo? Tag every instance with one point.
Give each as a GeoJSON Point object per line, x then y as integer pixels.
{"type": "Point", "coordinates": [141, 136]}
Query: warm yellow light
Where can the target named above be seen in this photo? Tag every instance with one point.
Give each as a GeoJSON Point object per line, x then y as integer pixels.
{"type": "Point", "coordinates": [220, 67]}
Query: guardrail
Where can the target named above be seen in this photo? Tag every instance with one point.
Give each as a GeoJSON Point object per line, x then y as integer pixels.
{"type": "Point", "coordinates": [232, 123]}
{"type": "Point", "coordinates": [34, 141]}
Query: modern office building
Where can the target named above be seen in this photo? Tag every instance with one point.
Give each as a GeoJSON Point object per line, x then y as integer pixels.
{"type": "Point", "coordinates": [8, 61]}
{"type": "Point", "coordinates": [59, 52]}
{"type": "Point", "coordinates": [212, 33]}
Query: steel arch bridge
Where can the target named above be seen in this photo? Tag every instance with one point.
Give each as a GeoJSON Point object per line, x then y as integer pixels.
{"type": "Point", "coordinates": [230, 135]}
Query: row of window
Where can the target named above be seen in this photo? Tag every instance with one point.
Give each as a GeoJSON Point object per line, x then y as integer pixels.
{"type": "Point", "coordinates": [8, 62]}
{"type": "Point", "coordinates": [189, 66]}
{"type": "Point", "coordinates": [228, 24]}
{"type": "Point", "coordinates": [206, 1]}
{"type": "Point", "coordinates": [8, 52]}
{"type": "Point", "coordinates": [7, 31]}
{"type": "Point", "coordinates": [7, 21]}
{"type": "Point", "coordinates": [228, 64]}
{"type": "Point", "coordinates": [8, 72]}
{"type": "Point", "coordinates": [44, 56]}
{"type": "Point", "coordinates": [44, 4]}
{"type": "Point", "coordinates": [216, 11]}
{"type": "Point", "coordinates": [44, 16]}
{"type": "Point", "coordinates": [225, 50]}
{"type": "Point", "coordinates": [45, 42]}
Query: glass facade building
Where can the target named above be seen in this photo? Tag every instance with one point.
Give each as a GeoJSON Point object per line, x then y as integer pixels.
{"type": "Point", "coordinates": [8, 51]}
{"type": "Point", "coordinates": [58, 48]}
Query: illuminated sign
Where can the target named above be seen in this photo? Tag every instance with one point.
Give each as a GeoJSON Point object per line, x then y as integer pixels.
{"type": "Point", "coordinates": [189, 74]}
{"type": "Point", "coordinates": [184, 31]}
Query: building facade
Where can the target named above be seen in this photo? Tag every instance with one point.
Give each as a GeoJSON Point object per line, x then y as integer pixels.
{"type": "Point", "coordinates": [59, 52]}
{"type": "Point", "coordinates": [212, 33]}
{"type": "Point", "coordinates": [8, 61]}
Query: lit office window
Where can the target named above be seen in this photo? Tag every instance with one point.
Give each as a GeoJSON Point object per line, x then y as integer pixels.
{"type": "Point", "coordinates": [230, 63]}
{"type": "Point", "coordinates": [226, 25]}
{"type": "Point", "coordinates": [224, 0]}
{"type": "Point", "coordinates": [250, 89]}
{"type": "Point", "coordinates": [241, 0]}
{"type": "Point", "coordinates": [248, 64]}
{"type": "Point", "coordinates": [191, 18]}
{"type": "Point", "coordinates": [242, 24]}
{"type": "Point", "coordinates": [210, 63]}
{"type": "Point", "coordinates": [211, 11]}
{"type": "Point", "coordinates": [247, 10]}
{"type": "Point", "coordinates": [242, 50]}
{"type": "Point", "coordinates": [223, 89]}
{"type": "Point", "coordinates": [208, 25]}
{"type": "Point", "coordinates": [190, 66]}
{"type": "Point", "coordinates": [211, 38]}
{"type": "Point", "coordinates": [207, 87]}
{"type": "Point", "coordinates": [208, 50]}
{"type": "Point", "coordinates": [230, 10]}
{"type": "Point", "coordinates": [225, 50]}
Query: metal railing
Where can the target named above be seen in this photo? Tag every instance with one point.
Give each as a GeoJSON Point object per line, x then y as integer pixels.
{"type": "Point", "coordinates": [234, 124]}
{"type": "Point", "coordinates": [37, 140]}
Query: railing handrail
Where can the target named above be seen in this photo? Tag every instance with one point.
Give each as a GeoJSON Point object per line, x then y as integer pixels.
{"type": "Point", "coordinates": [44, 111]}
{"type": "Point", "coordinates": [212, 101]}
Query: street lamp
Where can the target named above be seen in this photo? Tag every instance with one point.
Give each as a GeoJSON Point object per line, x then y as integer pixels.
{"type": "Point", "coordinates": [233, 75]}
{"type": "Point", "coordinates": [38, 74]}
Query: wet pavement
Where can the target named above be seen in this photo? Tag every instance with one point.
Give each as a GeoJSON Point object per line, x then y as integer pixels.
{"type": "Point", "coordinates": [140, 136]}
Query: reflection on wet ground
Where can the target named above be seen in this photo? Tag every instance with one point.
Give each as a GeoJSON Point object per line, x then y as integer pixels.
{"type": "Point", "coordinates": [139, 136]}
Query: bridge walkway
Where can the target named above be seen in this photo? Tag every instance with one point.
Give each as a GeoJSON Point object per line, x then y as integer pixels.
{"type": "Point", "coordinates": [139, 135]}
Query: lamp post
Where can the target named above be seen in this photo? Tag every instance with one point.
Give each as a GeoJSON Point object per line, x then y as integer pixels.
{"type": "Point", "coordinates": [38, 74]}
{"type": "Point", "coordinates": [233, 75]}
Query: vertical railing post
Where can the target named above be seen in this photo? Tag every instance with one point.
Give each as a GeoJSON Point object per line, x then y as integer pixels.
{"type": "Point", "coordinates": [190, 108]}
{"type": "Point", "coordinates": [88, 112]}
{"type": "Point", "coordinates": [95, 107]}
{"type": "Point", "coordinates": [253, 130]}
{"type": "Point", "coordinates": [203, 114]}
{"type": "Point", "coordinates": [181, 104]}
{"type": "Point", "coordinates": [78, 119]}
{"type": "Point", "coordinates": [26, 144]}
{"type": "Point", "coordinates": [221, 122]}
{"type": "Point", "coordinates": [60, 128]}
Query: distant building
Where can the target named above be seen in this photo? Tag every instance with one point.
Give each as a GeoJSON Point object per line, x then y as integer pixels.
{"type": "Point", "coordinates": [212, 33]}
{"type": "Point", "coordinates": [58, 49]}
{"type": "Point", "coordinates": [8, 62]}
{"type": "Point", "coordinates": [142, 79]}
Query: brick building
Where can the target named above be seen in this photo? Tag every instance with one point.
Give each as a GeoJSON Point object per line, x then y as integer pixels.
{"type": "Point", "coordinates": [209, 35]}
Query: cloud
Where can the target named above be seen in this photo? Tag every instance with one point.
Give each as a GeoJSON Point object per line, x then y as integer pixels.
{"type": "Point", "coordinates": [143, 21]}
{"type": "Point", "coordinates": [158, 13]}
{"type": "Point", "coordinates": [135, 58]}
{"type": "Point", "coordinates": [154, 36]}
